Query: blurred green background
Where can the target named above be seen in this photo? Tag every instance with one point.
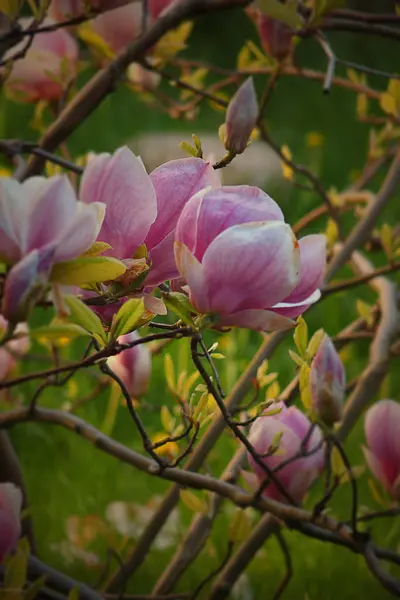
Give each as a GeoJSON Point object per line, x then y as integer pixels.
{"type": "Point", "coordinates": [67, 477]}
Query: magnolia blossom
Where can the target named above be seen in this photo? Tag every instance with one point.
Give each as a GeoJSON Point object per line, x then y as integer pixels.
{"type": "Point", "coordinates": [10, 526]}
{"type": "Point", "coordinates": [276, 37]}
{"type": "Point", "coordinates": [60, 10]}
{"type": "Point", "coordinates": [327, 383]}
{"type": "Point", "coordinates": [41, 224]}
{"type": "Point", "coordinates": [142, 208]}
{"type": "Point", "coordinates": [241, 117]}
{"type": "Point", "coordinates": [133, 366]}
{"type": "Point", "coordinates": [382, 427]}
{"type": "Point", "coordinates": [157, 7]}
{"type": "Point", "coordinates": [119, 27]}
{"type": "Point", "coordinates": [242, 262]}
{"type": "Point", "coordinates": [13, 349]}
{"type": "Point", "coordinates": [48, 66]}
{"type": "Point", "coordinates": [288, 429]}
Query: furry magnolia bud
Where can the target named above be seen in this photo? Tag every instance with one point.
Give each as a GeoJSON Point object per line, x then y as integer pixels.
{"type": "Point", "coordinates": [241, 117]}
{"type": "Point", "coordinates": [327, 381]}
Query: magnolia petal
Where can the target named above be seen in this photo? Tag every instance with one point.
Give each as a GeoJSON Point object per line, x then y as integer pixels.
{"type": "Point", "coordinates": [294, 310]}
{"type": "Point", "coordinates": [52, 206]}
{"type": "Point", "coordinates": [175, 183]}
{"type": "Point", "coordinates": [376, 468]}
{"type": "Point", "coordinates": [163, 265]}
{"type": "Point", "coordinates": [258, 320]}
{"type": "Point", "coordinates": [204, 218]}
{"type": "Point", "coordinates": [82, 232]}
{"type": "Point", "coordinates": [121, 182]}
{"type": "Point", "coordinates": [192, 271]}
{"type": "Point", "coordinates": [382, 426]}
{"type": "Point", "coordinates": [312, 266]}
{"type": "Point", "coordinates": [154, 305]}
{"type": "Point", "coordinates": [253, 265]}
{"type": "Point", "coordinates": [13, 208]}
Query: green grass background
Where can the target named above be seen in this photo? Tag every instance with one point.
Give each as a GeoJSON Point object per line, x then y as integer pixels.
{"type": "Point", "coordinates": [66, 476]}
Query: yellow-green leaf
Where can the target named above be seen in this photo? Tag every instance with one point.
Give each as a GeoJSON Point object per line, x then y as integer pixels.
{"type": "Point", "coordinates": [15, 570]}
{"type": "Point", "coordinates": [300, 336]}
{"type": "Point", "coordinates": [193, 502]}
{"type": "Point", "coordinates": [167, 420]}
{"type": "Point", "coordinates": [388, 103]}
{"type": "Point", "coordinates": [338, 466]}
{"type": "Point", "coordinates": [74, 594]}
{"type": "Point", "coordinates": [81, 314]}
{"type": "Point", "coordinates": [286, 13]}
{"type": "Point", "coordinates": [315, 342]}
{"type": "Point", "coordinates": [296, 358]}
{"type": "Point", "coordinates": [54, 333]}
{"type": "Point", "coordinates": [87, 269]}
{"type": "Point", "coordinates": [180, 305]}
{"type": "Point", "coordinates": [127, 318]}
{"type": "Point", "coordinates": [240, 526]}
{"type": "Point", "coordinates": [387, 239]}
{"type": "Point", "coordinates": [287, 170]}
{"type": "Point", "coordinates": [304, 383]}
{"type": "Point", "coordinates": [34, 589]}
{"type": "Point", "coordinates": [169, 372]}
{"type": "Point", "coordinates": [97, 248]}
{"type": "Point", "coordinates": [365, 311]}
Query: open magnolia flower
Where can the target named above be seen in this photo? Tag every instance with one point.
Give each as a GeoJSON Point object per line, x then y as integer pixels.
{"type": "Point", "coordinates": [10, 526]}
{"type": "Point", "coordinates": [48, 66]}
{"type": "Point", "coordinates": [142, 208]}
{"type": "Point", "coordinates": [41, 224]}
{"type": "Point", "coordinates": [242, 262]}
{"type": "Point", "coordinates": [287, 428]}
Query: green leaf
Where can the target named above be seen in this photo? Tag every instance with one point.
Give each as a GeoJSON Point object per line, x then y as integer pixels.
{"type": "Point", "coordinates": [315, 342]}
{"type": "Point", "coordinates": [300, 336]}
{"type": "Point", "coordinates": [281, 12]}
{"type": "Point", "coordinates": [387, 239]}
{"type": "Point", "coordinates": [87, 269]}
{"type": "Point", "coordinates": [180, 305]}
{"type": "Point", "coordinates": [169, 372]}
{"type": "Point", "coordinates": [304, 383]}
{"type": "Point", "coordinates": [34, 589]}
{"type": "Point", "coordinates": [167, 420]}
{"type": "Point", "coordinates": [96, 249]}
{"type": "Point", "coordinates": [365, 311]}
{"type": "Point", "coordinates": [15, 571]}
{"type": "Point", "coordinates": [81, 314]}
{"type": "Point", "coordinates": [186, 147]}
{"type": "Point", "coordinates": [193, 502]}
{"type": "Point", "coordinates": [296, 358]}
{"type": "Point", "coordinates": [127, 318]}
{"type": "Point", "coordinates": [74, 594]}
{"type": "Point", "coordinates": [322, 7]}
{"type": "Point", "coordinates": [240, 526]}
{"type": "Point", "coordinates": [58, 331]}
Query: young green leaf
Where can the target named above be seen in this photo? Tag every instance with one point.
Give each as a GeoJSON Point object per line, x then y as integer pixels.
{"type": "Point", "coordinates": [127, 318]}
{"type": "Point", "coordinates": [87, 269]}
{"type": "Point", "coordinates": [83, 316]}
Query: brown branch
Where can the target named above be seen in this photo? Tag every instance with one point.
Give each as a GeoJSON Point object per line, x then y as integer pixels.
{"type": "Point", "coordinates": [104, 82]}
{"type": "Point", "coordinates": [364, 17]}
{"type": "Point", "coordinates": [357, 27]}
{"type": "Point", "coordinates": [345, 285]}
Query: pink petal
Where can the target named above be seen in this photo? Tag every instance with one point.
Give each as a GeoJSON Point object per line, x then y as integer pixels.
{"type": "Point", "coordinates": [312, 266]}
{"type": "Point", "coordinates": [293, 310]}
{"type": "Point", "coordinates": [163, 265]}
{"type": "Point", "coordinates": [382, 426]}
{"type": "Point", "coordinates": [52, 206]}
{"type": "Point", "coordinates": [13, 208]}
{"type": "Point", "coordinates": [121, 182]}
{"type": "Point", "coordinates": [192, 271]}
{"type": "Point", "coordinates": [6, 363]}
{"type": "Point", "coordinates": [377, 468]}
{"type": "Point", "coordinates": [175, 183]}
{"type": "Point", "coordinates": [251, 266]}
{"type": "Point", "coordinates": [206, 217]}
{"type": "Point", "coordinates": [256, 319]}
{"type": "Point", "coordinates": [81, 233]}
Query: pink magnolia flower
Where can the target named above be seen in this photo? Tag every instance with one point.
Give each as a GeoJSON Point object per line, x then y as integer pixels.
{"type": "Point", "coordinates": [10, 526]}
{"type": "Point", "coordinates": [119, 27]}
{"type": "Point", "coordinates": [327, 383]}
{"type": "Point", "coordinates": [142, 208]}
{"type": "Point", "coordinates": [382, 426]}
{"type": "Point", "coordinates": [276, 37]}
{"type": "Point", "coordinates": [242, 262]}
{"type": "Point", "coordinates": [61, 10]}
{"type": "Point", "coordinates": [133, 366]}
{"type": "Point", "coordinates": [288, 429]}
{"type": "Point", "coordinates": [156, 7]}
{"type": "Point", "coordinates": [41, 224]}
{"type": "Point", "coordinates": [13, 349]}
{"type": "Point", "coordinates": [241, 117]}
{"type": "Point", "coordinates": [48, 67]}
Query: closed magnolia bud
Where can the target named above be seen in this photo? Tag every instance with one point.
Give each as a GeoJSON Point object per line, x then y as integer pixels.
{"type": "Point", "coordinates": [276, 37]}
{"type": "Point", "coordinates": [10, 525]}
{"type": "Point", "coordinates": [382, 426]}
{"type": "Point", "coordinates": [14, 349]}
{"type": "Point", "coordinates": [327, 383]}
{"type": "Point", "coordinates": [241, 117]}
{"type": "Point", "coordinates": [132, 366]}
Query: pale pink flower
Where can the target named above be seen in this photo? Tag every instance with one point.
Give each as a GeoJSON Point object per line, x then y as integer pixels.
{"type": "Point", "coordinates": [132, 366]}
{"type": "Point", "coordinates": [382, 427]}
{"type": "Point", "coordinates": [288, 429]}
{"type": "Point", "coordinates": [242, 262]}
{"type": "Point", "coordinates": [10, 526]}
{"type": "Point", "coordinates": [48, 67]}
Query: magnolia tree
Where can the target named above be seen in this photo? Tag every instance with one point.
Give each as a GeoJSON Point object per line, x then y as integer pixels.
{"type": "Point", "coordinates": [106, 268]}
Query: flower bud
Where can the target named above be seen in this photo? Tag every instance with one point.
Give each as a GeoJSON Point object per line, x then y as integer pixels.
{"type": "Point", "coordinates": [241, 117]}
{"type": "Point", "coordinates": [327, 383]}
{"type": "Point", "coordinates": [10, 526]}
{"type": "Point", "coordinates": [382, 426]}
{"type": "Point", "coordinates": [14, 349]}
{"type": "Point", "coordinates": [278, 437]}
{"type": "Point", "coordinates": [276, 37]}
{"type": "Point", "coordinates": [132, 366]}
